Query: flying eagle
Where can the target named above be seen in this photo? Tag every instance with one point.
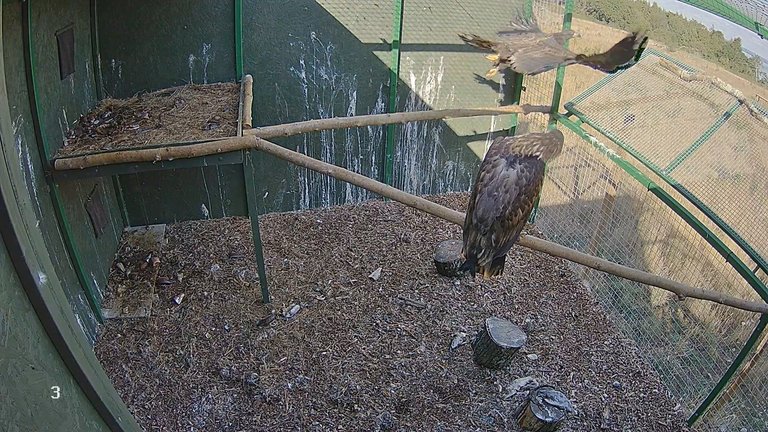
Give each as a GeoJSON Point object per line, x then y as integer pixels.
{"type": "Point", "coordinates": [507, 184]}
{"type": "Point", "coordinates": [527, 50]}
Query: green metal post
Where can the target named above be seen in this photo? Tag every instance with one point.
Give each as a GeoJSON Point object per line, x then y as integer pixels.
{"type": "Point", "coordinates": [557, 93]}
{"type": "Point", "coordinates": [394, 77]}
{"type": "Point", "coordinates": [517, 79]}
{"type": "Point", "coordinates": [732, 369]}
{"type": "Point", "coordinates": [517, 94]}
{"type": "Point", "coordinates": [95, 52]}
{"type": "Point", "coordinates": [253, 215]}
{"type": "Point", "coordinates": [66, 228]}
{"type": "Point", "coordinates": [685, 154]}
{"type": "Point", "coordinates": [238, 39]}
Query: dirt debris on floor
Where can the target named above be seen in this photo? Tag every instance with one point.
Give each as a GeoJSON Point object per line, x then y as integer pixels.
{"type": "Point", "coordinates": [338, 350]}
{"type": "Point", "coordinates": [167, 116]}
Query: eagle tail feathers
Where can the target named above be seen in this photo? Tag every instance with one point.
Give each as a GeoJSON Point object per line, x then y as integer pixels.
{"type": "Point", "coordinates": [477, 42]}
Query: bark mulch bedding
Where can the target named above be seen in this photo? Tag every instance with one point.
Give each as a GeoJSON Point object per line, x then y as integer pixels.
{"type": "Point", "coordinates": [346, 352]}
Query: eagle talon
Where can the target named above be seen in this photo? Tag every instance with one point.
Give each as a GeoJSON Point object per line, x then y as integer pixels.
{"type": "Point", "coordinates": [491, 73]}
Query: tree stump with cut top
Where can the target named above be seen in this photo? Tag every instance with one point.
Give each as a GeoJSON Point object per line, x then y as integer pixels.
{"type": "Point", "coordinates": [544, 410]}
{"type": "Point", "coordinates": [497, 343]}
{"type": "Point", "coordinates": [448, 257]}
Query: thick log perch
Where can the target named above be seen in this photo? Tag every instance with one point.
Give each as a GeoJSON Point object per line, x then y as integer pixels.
{"type": "Point", "coordinates": [225, 145]}
{"type": "Point", "coordinates": [448, 257]}
{"type": "Point", "coordinates": [497, 343]}
{"type": "Point", "coordinates": [544, 410]}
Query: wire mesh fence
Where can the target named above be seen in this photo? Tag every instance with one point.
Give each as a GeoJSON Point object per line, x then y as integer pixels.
{"type": "Point", "coordinates": [709, 150]}
{"type": "Point", "coordinates": [695, 138]}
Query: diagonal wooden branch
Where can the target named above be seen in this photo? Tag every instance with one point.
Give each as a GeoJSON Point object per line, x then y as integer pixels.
{"type": "Point", "coordinates": [534, 243]}
{"type": "Point", "coordinates": [236, 143]}
{"type": "Point", "coordinates": [716, 82]}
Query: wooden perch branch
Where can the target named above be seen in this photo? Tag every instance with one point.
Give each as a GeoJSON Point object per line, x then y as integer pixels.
{"type": "Point", "coordinates": [248, 102]}
{"type": "Point", "coordinates": [267, 132]}
{"type": "Point", "coordinates": [225, 145]}
{"type": "Point", "coordinates": [534, 243]}
{"type": "Point", "coordinates": [716, 82]}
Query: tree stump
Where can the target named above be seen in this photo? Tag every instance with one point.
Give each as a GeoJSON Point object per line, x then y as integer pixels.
{"type": "Point", "coordinates": [448, 257]}
{"type": "Point", "coordinates": [497, 343]}
{"type": "Point", "coordinates": [544, 410]}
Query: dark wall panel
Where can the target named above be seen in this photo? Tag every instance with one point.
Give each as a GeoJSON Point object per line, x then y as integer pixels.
{"type": "Point", "coordinates": [42, 216]}
{"type": "Point", "coordinates": [318, 59]}
{"type": "Point", "coordinates": [61, 102]}
{"type": "Point", "coordinates": [184, 194]}
{"type": "Point", "coordinates": [151, 45]}
{"type": "Point", "coordinates": [148, 46]}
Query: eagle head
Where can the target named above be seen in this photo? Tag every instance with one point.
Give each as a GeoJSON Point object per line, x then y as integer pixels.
{"type": "Point", "coordinates": [543, 145]}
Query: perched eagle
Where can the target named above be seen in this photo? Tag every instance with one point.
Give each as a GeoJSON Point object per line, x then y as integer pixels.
{"type": "Point", "coordinates": [527, 50]}
{"type": "Point", "coordinates": [507, 184]}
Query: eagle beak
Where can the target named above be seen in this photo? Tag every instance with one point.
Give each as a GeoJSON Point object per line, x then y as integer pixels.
{"type": "Point", "coordinates": [493, 57]}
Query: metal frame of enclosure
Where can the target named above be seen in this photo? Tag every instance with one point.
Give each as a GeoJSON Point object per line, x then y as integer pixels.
{"type": "Point", "coordinates": [62, 267]}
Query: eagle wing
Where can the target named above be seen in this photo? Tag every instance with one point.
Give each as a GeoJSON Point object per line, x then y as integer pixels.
{"type": "Point", "coordinates": [501, 201]}
{"type": "Point", "coordinates": [533, 51]}
{"type": "Point", "coordinates": [623, 54]}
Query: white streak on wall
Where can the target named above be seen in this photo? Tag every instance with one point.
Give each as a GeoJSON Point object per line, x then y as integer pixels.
{"type": "Point", "coordinates": [420, 160]}
{"type": "Point", "coordinates": [191, 64]}
{"type": "Point", "coordinates": [84, 306]}
{"type": "Point", "coordinates": [87, 87]}
{"type": "Point", "coordinates": [25, 161]}
{"type": "Point", "coordinates": [207, 57]}
{"type": "Point", "coordinates": [116, 74]}
{"type": "Point", "coordinates": [327, 91]}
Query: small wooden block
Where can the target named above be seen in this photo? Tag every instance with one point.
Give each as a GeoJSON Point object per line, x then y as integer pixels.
{"type": "Point", "coordinates": [544, 410]}
{"type": "Point", "coordinates": [448, 257]}
{"type": "Point", "coordinates": [497, 342]}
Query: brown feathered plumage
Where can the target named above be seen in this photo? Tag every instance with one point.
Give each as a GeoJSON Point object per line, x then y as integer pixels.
{"type": "Point", "coordinates": [506, 187]}
{"type": "Point", "coordinates": [527, 50]}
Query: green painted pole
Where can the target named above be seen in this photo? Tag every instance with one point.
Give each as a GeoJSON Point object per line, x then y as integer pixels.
{"type": "Point", "coordinates": [95, 52]}
{"type": "Point", "coordinates": [516, 78]}
{"type": "Point", "coordinates": [685, 154]}
{"type": "Point", "coordinates": [394, 77]}
{"type": "Point", "coordinates": [732, 369]}
{"type": "Point", "coordinates": [253, 215]}
{"type": "Point", "coordinates": [64, 225]}
{"type": "Point", "coordinates": [238, 39]}
{"type": "Point", "coordinates": [557, 93]}
{"type": "Point", "coordinates": [517, 94]}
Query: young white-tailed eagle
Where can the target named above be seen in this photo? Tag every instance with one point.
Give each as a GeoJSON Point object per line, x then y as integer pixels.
{"type": "Point", "coordinates": [526, 49]}
{"type": "Point", "coordinates": [506, 187]}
